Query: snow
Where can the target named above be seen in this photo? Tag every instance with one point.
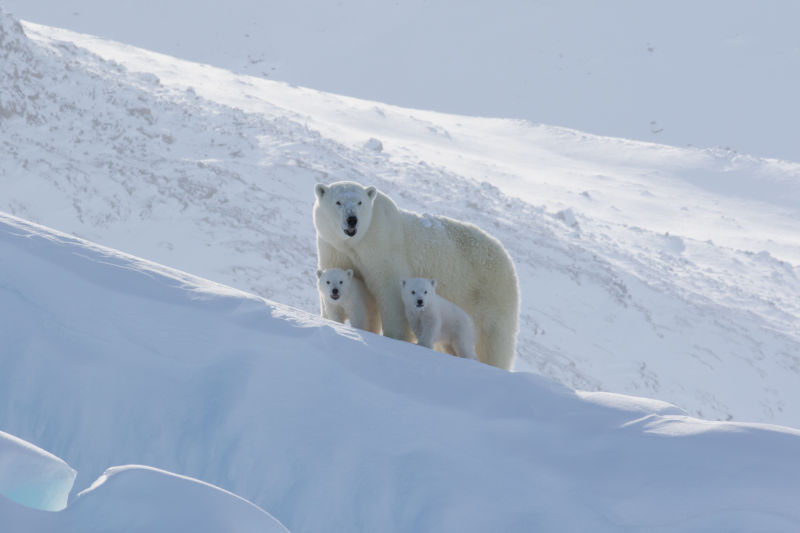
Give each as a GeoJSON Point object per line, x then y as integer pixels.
{"type": "Point", "coordinates": [33, 477]}
{"type": "Point", "coordinates": [724, 73]}
{"type": "Point", "coordinates": [646, 270]}
{"type": "Point", "coordinates": [678, 279]}
{"type": "Point", "coordinates": [115, 360]}
{"type": "Point", "coordinates": [144, 499]}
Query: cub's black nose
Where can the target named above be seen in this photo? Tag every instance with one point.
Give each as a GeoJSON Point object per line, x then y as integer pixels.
{"type": "Point", "coordinates": [419, 303]}
{"type": "Point", "coordinates": [352, 221]}
{"type": "Point", "coordinates": [335, 291]}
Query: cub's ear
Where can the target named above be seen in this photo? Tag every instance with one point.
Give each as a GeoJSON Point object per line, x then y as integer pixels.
{"type": "Point", "coordinates": [349, 273]}
{"type": "Point", "coordinates": [319, 273]}
{"type": "Point", "coordinates": [371, 192]}
{"type": "Point", "coordinates": [433, 283]}
{"type": "Point", "coordinates": [320, 190]}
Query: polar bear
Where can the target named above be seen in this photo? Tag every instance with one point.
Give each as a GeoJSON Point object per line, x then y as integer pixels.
{"type": "Point", "coordinates": [436, 321]}
{"type": "Point", "coordinates": [344, 297]}
{"type": "Point", "coordinates": [362, 229]}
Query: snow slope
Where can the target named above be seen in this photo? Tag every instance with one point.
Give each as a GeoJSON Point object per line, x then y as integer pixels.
{"type": "Point", "coordinates": [110, 359]}
{"type": "Point", "coordinates": [715, 73]}
{"type": "Point", "coordinates": [645, 269]}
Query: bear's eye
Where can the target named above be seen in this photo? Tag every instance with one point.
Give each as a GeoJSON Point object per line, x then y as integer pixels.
{"type": "Point", "coordinates": [359, 202]}
{"type": "Point", "coordinates": [413, 292]}
{"type": "Point", "coordinates": [328, 282]}
{"type": "Point", "coordinates": [341, 282]}
{"type": "Point", "coordinates": [338, 203]}
{"type": "Point", "coordinates": [426, 292]}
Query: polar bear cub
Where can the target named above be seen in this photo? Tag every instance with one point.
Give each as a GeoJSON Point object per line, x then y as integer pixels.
{"type": "Point", "coordinates": [435, 320]}
{"type": "Point", "coordinates": [343, 297]}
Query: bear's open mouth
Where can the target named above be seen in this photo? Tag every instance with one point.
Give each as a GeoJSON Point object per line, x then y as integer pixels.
{"type": "Point", "coordinates": [350, 231]}
{"type": "Point", "coordinates": [334, 296]}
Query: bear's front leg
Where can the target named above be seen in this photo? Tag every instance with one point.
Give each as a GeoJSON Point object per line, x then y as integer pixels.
{"type": "Point", "coordinates": [431, 327]}
{"type": "Point", "coordinates": [335, 313]}
{"type": "Point", "coordinates": [393, 316]}
{"type": "Point", "coordinates": [358, 318]}
{"type": "Point", "coordinates": [426, 338]}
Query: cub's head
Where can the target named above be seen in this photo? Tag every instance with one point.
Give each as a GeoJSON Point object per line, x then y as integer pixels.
{"type": "Point", "coordinates": [417, 293]}
{"type": "Point", "coordinates": [334, 283]}
{"type": "Point", "coordinates": [343, 210]}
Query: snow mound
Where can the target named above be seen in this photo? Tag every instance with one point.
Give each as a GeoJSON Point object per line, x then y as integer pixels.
{"type": "Point", "coordinates": [121, 361]}
{"type": "Point", "coordinates": [33, 477]}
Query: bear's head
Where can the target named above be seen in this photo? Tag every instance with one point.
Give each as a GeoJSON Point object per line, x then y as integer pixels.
{"type": "Point", "coordinates": [334, 283]}
{"type": "Point", "coordinates": [417, 293]}
{"type": "Point", "coordinates": [343, 210]}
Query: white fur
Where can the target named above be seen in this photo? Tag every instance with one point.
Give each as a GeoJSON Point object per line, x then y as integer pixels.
{"type": "Point", "coordinates": [344, 297]}
{"type": "Point", "coordinates": [435, 321]}
{"type": "Point", "coordinates": [386, 244]}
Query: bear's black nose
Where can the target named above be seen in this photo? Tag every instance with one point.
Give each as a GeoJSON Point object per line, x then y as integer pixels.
{"type": "Point", "coordinates": [352, 221]}
{"type": "Point", "coordinates": [335, 291]}
{"type": "Point", "coordinates": [419, 303]}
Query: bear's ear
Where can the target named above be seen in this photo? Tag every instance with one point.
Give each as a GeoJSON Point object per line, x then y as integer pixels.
{"type": "Point", "coordinates": [371, 192]}
{"type": "Point", "coordinates": [349, 273]}
{"type": "Point", "coordinates": [320, 190]}
{"type": "Point", "coordinates": [319, 273]}
{"type": "Point", "coordinates": [433, 283]}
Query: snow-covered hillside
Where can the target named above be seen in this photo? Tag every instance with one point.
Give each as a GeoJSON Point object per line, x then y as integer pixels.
{"type": "Point", "coordinates": [713, 73]}
{"type": "Point", "coordinates": [112, 360]}
{"type": "Point", "coordinates": [645, 269]}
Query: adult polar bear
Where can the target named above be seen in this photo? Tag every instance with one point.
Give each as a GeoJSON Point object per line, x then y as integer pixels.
{"type": "Point", "coordinates": [361, 228]}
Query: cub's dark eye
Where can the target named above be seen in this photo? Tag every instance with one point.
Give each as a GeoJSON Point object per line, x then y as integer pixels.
{"type": "Point", "coordinates": [338, 203]}
{"type": "Point", "coordinates": [328, 282]}
{"type": "Point", "coordinates": [413, 292]}
{"type": "Point", "coordinates": [426, 292]}
{"type": "Point", "coordinates": [359, 203]}
{"type": "Point", "coordinates": [341, 282]}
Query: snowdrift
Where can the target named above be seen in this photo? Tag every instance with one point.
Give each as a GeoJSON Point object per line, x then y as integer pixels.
{"type": "Point", "coordinates": [109, 359]}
